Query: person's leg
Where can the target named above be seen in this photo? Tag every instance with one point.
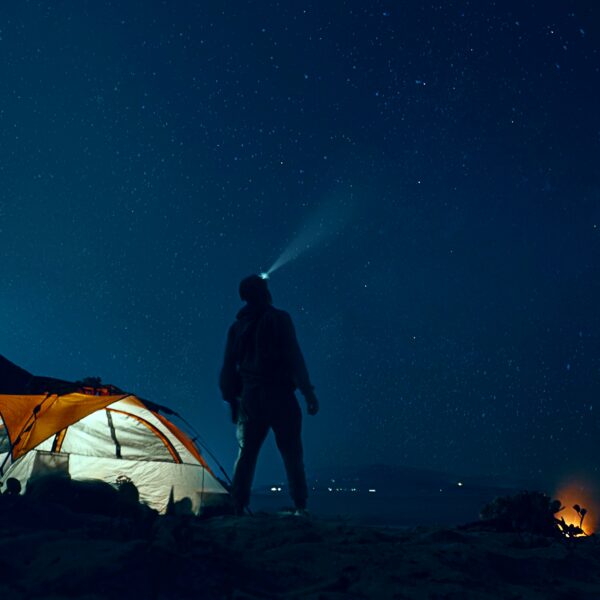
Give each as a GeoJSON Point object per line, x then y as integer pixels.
{"type": "Point", "coordinates": [252, 430]}
{"type": "Point", "coordinates": [287, 426]}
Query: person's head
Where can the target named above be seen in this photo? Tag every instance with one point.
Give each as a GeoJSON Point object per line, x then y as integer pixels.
{"type": "Point", "coordinates": [127, 489]}
{"type": "Point", "coordinates": [254, 290]}
{"type": "Point", "coordinates": [13, 486]}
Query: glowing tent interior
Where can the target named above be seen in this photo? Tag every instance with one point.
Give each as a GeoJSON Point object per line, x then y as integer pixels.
{"type": "Point", "coordinates": [102, 434]}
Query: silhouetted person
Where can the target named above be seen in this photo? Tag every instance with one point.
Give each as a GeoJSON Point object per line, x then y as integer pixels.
{"type": "Point", "coordinates": [263, 366]}
{"type": "Point", "coordinates": [13, 487]}
{"type": "Point", "coordinates": [127, 489]}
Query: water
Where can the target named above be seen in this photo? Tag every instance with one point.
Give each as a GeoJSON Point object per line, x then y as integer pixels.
{"type": "Point", "coordinates": [445, 509]}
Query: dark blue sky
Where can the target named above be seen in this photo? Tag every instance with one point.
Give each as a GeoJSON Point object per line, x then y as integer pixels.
{"type": "Point", "coordinates": [153, 153]}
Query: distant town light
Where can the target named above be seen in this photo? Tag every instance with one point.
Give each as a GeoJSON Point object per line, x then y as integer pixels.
{"type": "Point", "coordinates": [460, 484]}
{"type": "Point", "coordinates": [372, 491]}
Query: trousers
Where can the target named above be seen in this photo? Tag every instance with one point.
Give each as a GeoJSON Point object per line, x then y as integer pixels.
{"type": "Point", "coordinates": [261, 409]}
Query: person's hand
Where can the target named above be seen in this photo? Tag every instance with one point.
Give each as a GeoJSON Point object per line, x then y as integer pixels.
{"type": "Point", "coordinates": [312, 404]}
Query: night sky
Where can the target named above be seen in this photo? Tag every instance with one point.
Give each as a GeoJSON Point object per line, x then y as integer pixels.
{"type": "Point", "coordinates": [441, 160]}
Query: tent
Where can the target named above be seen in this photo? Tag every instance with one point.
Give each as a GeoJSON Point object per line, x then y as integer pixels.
{"type": "Point", "coordinates": [99, 432]}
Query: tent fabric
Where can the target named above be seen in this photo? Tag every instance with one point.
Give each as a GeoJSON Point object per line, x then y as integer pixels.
{"type": "Point", "coordinates": [181, 442]}
{"type": "Point", "coordinates": [106, 437]}
{"type": "Point", "coordinates": [183, 438]}
{"type": "Point", "coordinates": [30, 420]}
{"type": "Point", "coordinates": [154, 481]}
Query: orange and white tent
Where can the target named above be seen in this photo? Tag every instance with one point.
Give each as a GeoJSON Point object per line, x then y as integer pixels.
{"type": "Point", "coordinates": [104, 437]}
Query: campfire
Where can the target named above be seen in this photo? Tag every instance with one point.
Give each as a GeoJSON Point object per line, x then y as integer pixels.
{"type": "Point", "coordinates": [581, 506]}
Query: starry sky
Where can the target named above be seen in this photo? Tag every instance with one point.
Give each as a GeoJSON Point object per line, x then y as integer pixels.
{"type": "Point", "coordinates": [440, 160]}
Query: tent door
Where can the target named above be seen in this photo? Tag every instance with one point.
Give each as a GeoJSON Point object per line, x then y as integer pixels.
{"type": "Point", "coordinates": [50, 463]}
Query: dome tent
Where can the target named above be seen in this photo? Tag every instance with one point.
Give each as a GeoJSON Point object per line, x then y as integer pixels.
{"type": "Point", "coordinates": [99, 433]}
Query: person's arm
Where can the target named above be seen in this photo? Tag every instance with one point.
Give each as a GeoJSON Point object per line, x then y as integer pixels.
{"type": "Point", "coordinates": [298, 366]}
{"type": "Point", "coordinates": [229, 379]}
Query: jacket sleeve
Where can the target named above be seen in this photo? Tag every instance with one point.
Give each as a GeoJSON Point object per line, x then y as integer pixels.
{"type": "Point", "coordinates": [229, 379]}
{"type": "Point", "coordinates": [296, 360]}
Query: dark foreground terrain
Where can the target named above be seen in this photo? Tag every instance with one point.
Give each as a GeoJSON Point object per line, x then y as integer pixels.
{"type": "Point", "coordinates": [48, 551]}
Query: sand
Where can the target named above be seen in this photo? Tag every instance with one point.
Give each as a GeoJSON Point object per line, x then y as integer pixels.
{"type": "Point", "coordinates": [49, 552]}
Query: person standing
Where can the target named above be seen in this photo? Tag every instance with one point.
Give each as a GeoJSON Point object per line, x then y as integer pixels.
{"type": "Point", "coordinates": [262, 367]}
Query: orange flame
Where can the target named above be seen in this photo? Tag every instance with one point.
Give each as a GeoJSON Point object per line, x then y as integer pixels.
{"type": "Point", "coordinates": [577, 492]}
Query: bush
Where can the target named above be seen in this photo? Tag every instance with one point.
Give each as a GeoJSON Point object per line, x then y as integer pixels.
{"type": "Point", "coordinates": [531, 512]}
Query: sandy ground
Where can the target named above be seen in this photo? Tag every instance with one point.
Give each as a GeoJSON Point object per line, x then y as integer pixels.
{"type": "Point", "coordinates": [50, 552]}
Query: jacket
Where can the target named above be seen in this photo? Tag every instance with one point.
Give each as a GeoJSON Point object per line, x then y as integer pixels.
{"type": "Point", "coordinates": [262, 350]}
